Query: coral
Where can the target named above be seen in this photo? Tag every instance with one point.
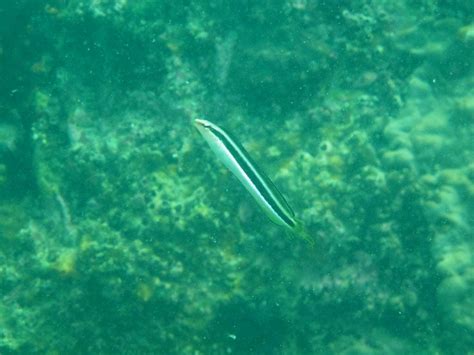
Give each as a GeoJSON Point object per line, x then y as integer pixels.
{"type": "Point", "coordinates": [3, 177]}
{"type": "Point", "coordinates": [429, 127]}
{"type": "Point", "coordinates": [120, 233]}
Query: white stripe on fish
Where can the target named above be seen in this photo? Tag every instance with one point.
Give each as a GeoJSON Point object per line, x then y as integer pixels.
{"type": "Point", "coordinates": [238, 161]}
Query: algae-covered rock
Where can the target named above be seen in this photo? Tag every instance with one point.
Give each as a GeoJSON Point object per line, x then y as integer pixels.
{"type": "Point", "coordinates": [119, 233]}
{"type": "Point", "coordinates": [429, 128]}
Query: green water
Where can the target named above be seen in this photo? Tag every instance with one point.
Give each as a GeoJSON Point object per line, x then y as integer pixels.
{"type": "Point", "coordinates": [122, 233]}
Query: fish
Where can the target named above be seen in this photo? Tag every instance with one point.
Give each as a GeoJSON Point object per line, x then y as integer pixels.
{"type": "Point", "coordinates": [236, 158]}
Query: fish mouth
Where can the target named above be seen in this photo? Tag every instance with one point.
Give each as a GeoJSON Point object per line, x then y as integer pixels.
{"type": "Point", "coordinates": [202, 123]}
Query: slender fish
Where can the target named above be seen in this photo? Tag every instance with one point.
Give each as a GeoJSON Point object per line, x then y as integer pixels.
{"type": "Point", "coordinates": [238, 161]}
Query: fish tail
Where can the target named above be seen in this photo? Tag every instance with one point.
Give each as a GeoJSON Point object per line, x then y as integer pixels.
{"type": "Point", "coordinates": [302, 232]}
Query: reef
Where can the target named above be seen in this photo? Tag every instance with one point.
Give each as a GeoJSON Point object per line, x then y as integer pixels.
{"type": "Point", "coordinates": [120, 233]}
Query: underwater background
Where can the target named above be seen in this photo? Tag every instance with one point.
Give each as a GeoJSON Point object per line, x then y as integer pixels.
{"type": "Point", "coordinates": [120, 232]}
